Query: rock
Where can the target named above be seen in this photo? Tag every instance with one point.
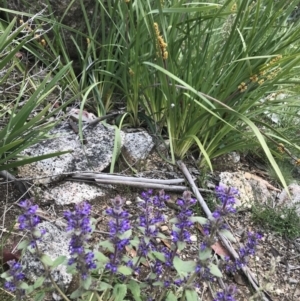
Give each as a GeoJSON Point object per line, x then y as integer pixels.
{"type": "Point", "coordinates": [238, 181]}
{"type": "Point", "coordinates": [164, 228]}
{"type": "Point", "coordinates": [251, 187]}
{"type": "Point", "coordinates": [95, 155]}
{"type": "Point", "coordinates": [293, 201]}
{"type": "Point", "coordinates": [137, 146]}
{"type": "Point", "coordinates": [53, 243]}
{"type": "Point", "coordinates": [72, 17]}
{"type": "Point", "coordinates": [70, 193]}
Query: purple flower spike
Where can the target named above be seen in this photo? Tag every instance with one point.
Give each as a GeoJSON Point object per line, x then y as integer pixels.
{"type": "Point", "coordinates": [244, 253]}
{"type": "Point", "coordinates": [29, 221]}
{"type": "Point", "coordinates": [15, 278]}
{"type": "Point", "coordinates": [183, 223]}
{"type": "Point", "coordinates": [227, 294]}
{"type": "Point", "coordinates": [118, 225]}
{"type": "Point", "coordinates": [226, 194]}
{"type": "Point", "coordinates": [80, 224]}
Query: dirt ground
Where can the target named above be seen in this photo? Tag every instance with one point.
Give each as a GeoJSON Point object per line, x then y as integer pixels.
{"type": "Point", "coordinates": [276, 264]}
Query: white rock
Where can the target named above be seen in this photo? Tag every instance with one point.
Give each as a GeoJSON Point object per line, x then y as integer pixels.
{"type": "Point", "coordinates": [193, 238]}
{"type": "Point", "coordinates": [164, 228]}
{"type": "Point", "coordinates": [54, 243]}
{"type": "Point", "coordinates": [71, 193]}
{"type": "Point", "coordinates": [137, 146]}
{"type": "Point", "coordinates": [238, 181]}
{"type": "Point", "coordinates": [95, 155]}
{"type": "Point", "coordinates": [251, 188]}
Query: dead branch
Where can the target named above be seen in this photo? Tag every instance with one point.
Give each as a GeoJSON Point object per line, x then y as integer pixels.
{"type": "Point", "coordinates": [224, 240]}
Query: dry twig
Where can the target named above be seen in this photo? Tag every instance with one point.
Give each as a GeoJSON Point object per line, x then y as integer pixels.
{"type": "Point", "coordinates": [224, 240]}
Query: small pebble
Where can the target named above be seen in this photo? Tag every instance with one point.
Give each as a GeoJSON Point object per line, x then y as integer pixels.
{"type": "Point", "coordinates": [164, 228]}
{"type": "Point", "coordinates": [193, 238]}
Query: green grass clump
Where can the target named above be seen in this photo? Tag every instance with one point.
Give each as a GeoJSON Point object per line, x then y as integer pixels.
{"type": "Point", "coordinates": [284, 221]}
{"type": "Point", "coordinates": [286, 169]}
{"type": "Point", "coordinates": [194, 73]}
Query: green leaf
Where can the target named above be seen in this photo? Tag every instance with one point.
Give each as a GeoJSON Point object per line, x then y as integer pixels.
{"type": "Point", "coordinates": [117, 148]}
{"type": "Point", "coordinates": [135, 289]}
{"type": "Point", "coordinates": [5, 275]}
{"type": "Point", "coordinates": [39, 282]}
{"type": "Point", "coordinates": [158, 283]}
{"type": "Point", "coordinates": [40, 296]}
{"type": "Point", "coordinates": [181, 245]}
{"type": "Point", "coordinates": [119, 292]}
{"type": "Point", "coordinates": [205, 254]}
{"type": "Point", "coordinates": [24, 286]}
{"type": "Point", "coordinates": [135, 242]}
{"type": "Point", "coordinates": [23, 245]}
{"type": "Point", "coordinates": [107, 245]}
{"type": "Point", "coordinates": [191, 295]}
{"type": "Point", "coordinates": [46, 259]}
{"type": "Point", "coordinates": [31, 160]}
{"type": "Point", "coordinates": [30, 289]}
{"type": "Point", "coordinates": [100, 257]}
{"type": "Point", "coordinates": [59, 260]}
{"type": "Point", "coordinates": [124, 270]}
{"type": "Point", "coordinates": [76, 294]}
{"type": "Point", "coordinates": [182, 266]}
{"type": "Point", "coordinates": [87, 282]}
{"type": "Point", "coordinates": [127, 234]}
{"type": "Point", "coordinates": [184, 10]}
{"type": "Point", "coordinates": [174, 220]}
{"type": "Point", "coordinates": [227, 234]}
{"type": "Point", "coordinates": [162, 236]}
{"type": "Point", "coordinates": [171, 297]}
{"type": "Point", "coordinates": [160, 256]}
{"type": "Point", "coordinates": [102, 286]}
{"type": "Point", "coordinates": [214, 270]}
{"type": "Point", "coordinates": [198, 219]}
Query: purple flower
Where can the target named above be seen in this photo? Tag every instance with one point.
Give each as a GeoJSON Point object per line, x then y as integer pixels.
{"type": "Point", "coordinates": [249, 248]}
{"type": "Point", "coordinates": [15, 277]}
{"type": "Point", "coordinates": [203, 272]}
{"type": "Point", "coordinates": [144, 247]}
{"type": "Point", "coordinates": [227, 294]}
{"type": "Point", "coordinates": [226, 194]}
{"type": "Point", "coordinates": [151, 215]}
{"type": "Point", "coordinates": [183, 223]}
{"type": "Point", "coordinates": [78, 220]}
{"type": "Point", "coordinates": [112, 267]}
{"type": "Point", "coordinates": [29, 221]}
{"type": "Point", "coordinates": [216, 222]}
{"type": "Point", "coordinates": [227, 197]}
{"type": "Point", "coordinates": [80, 224]}
{"type": "Point", "coordinates": [244, 253]}
{"type": "Point", "coordinates": [118, 225]}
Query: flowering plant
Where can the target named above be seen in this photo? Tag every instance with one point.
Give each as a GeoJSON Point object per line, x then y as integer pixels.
{"type": "Point", "coordinates": [155, 271]}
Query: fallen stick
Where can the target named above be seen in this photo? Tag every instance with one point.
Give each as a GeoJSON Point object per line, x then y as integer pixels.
{"type": "Point", "coordinates": [135, 184]}
{"type": "Point", "coordinates": [125, 178]}
{"type": "Point", "coordinates": [224, 240]}
{"type": "Point", "coordinates": [131, 181]}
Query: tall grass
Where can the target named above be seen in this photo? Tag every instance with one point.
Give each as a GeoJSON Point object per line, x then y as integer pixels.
{"type": "Point", "coordinates": [26, 115]}
{"type": "Point", "coordinates": [193, 73]}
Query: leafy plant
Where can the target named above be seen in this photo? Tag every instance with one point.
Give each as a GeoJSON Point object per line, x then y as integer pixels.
{"type": "Point", "coordinates": [116, 276]}
{"type": "Point", "coordinates": [286, 169]}
{"type": "Point", "coordinates": [26, 111]}
{"type": "Point", "coordinates": [282, 220]}
{"type": "Point", "coordinates": [195, 73]}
